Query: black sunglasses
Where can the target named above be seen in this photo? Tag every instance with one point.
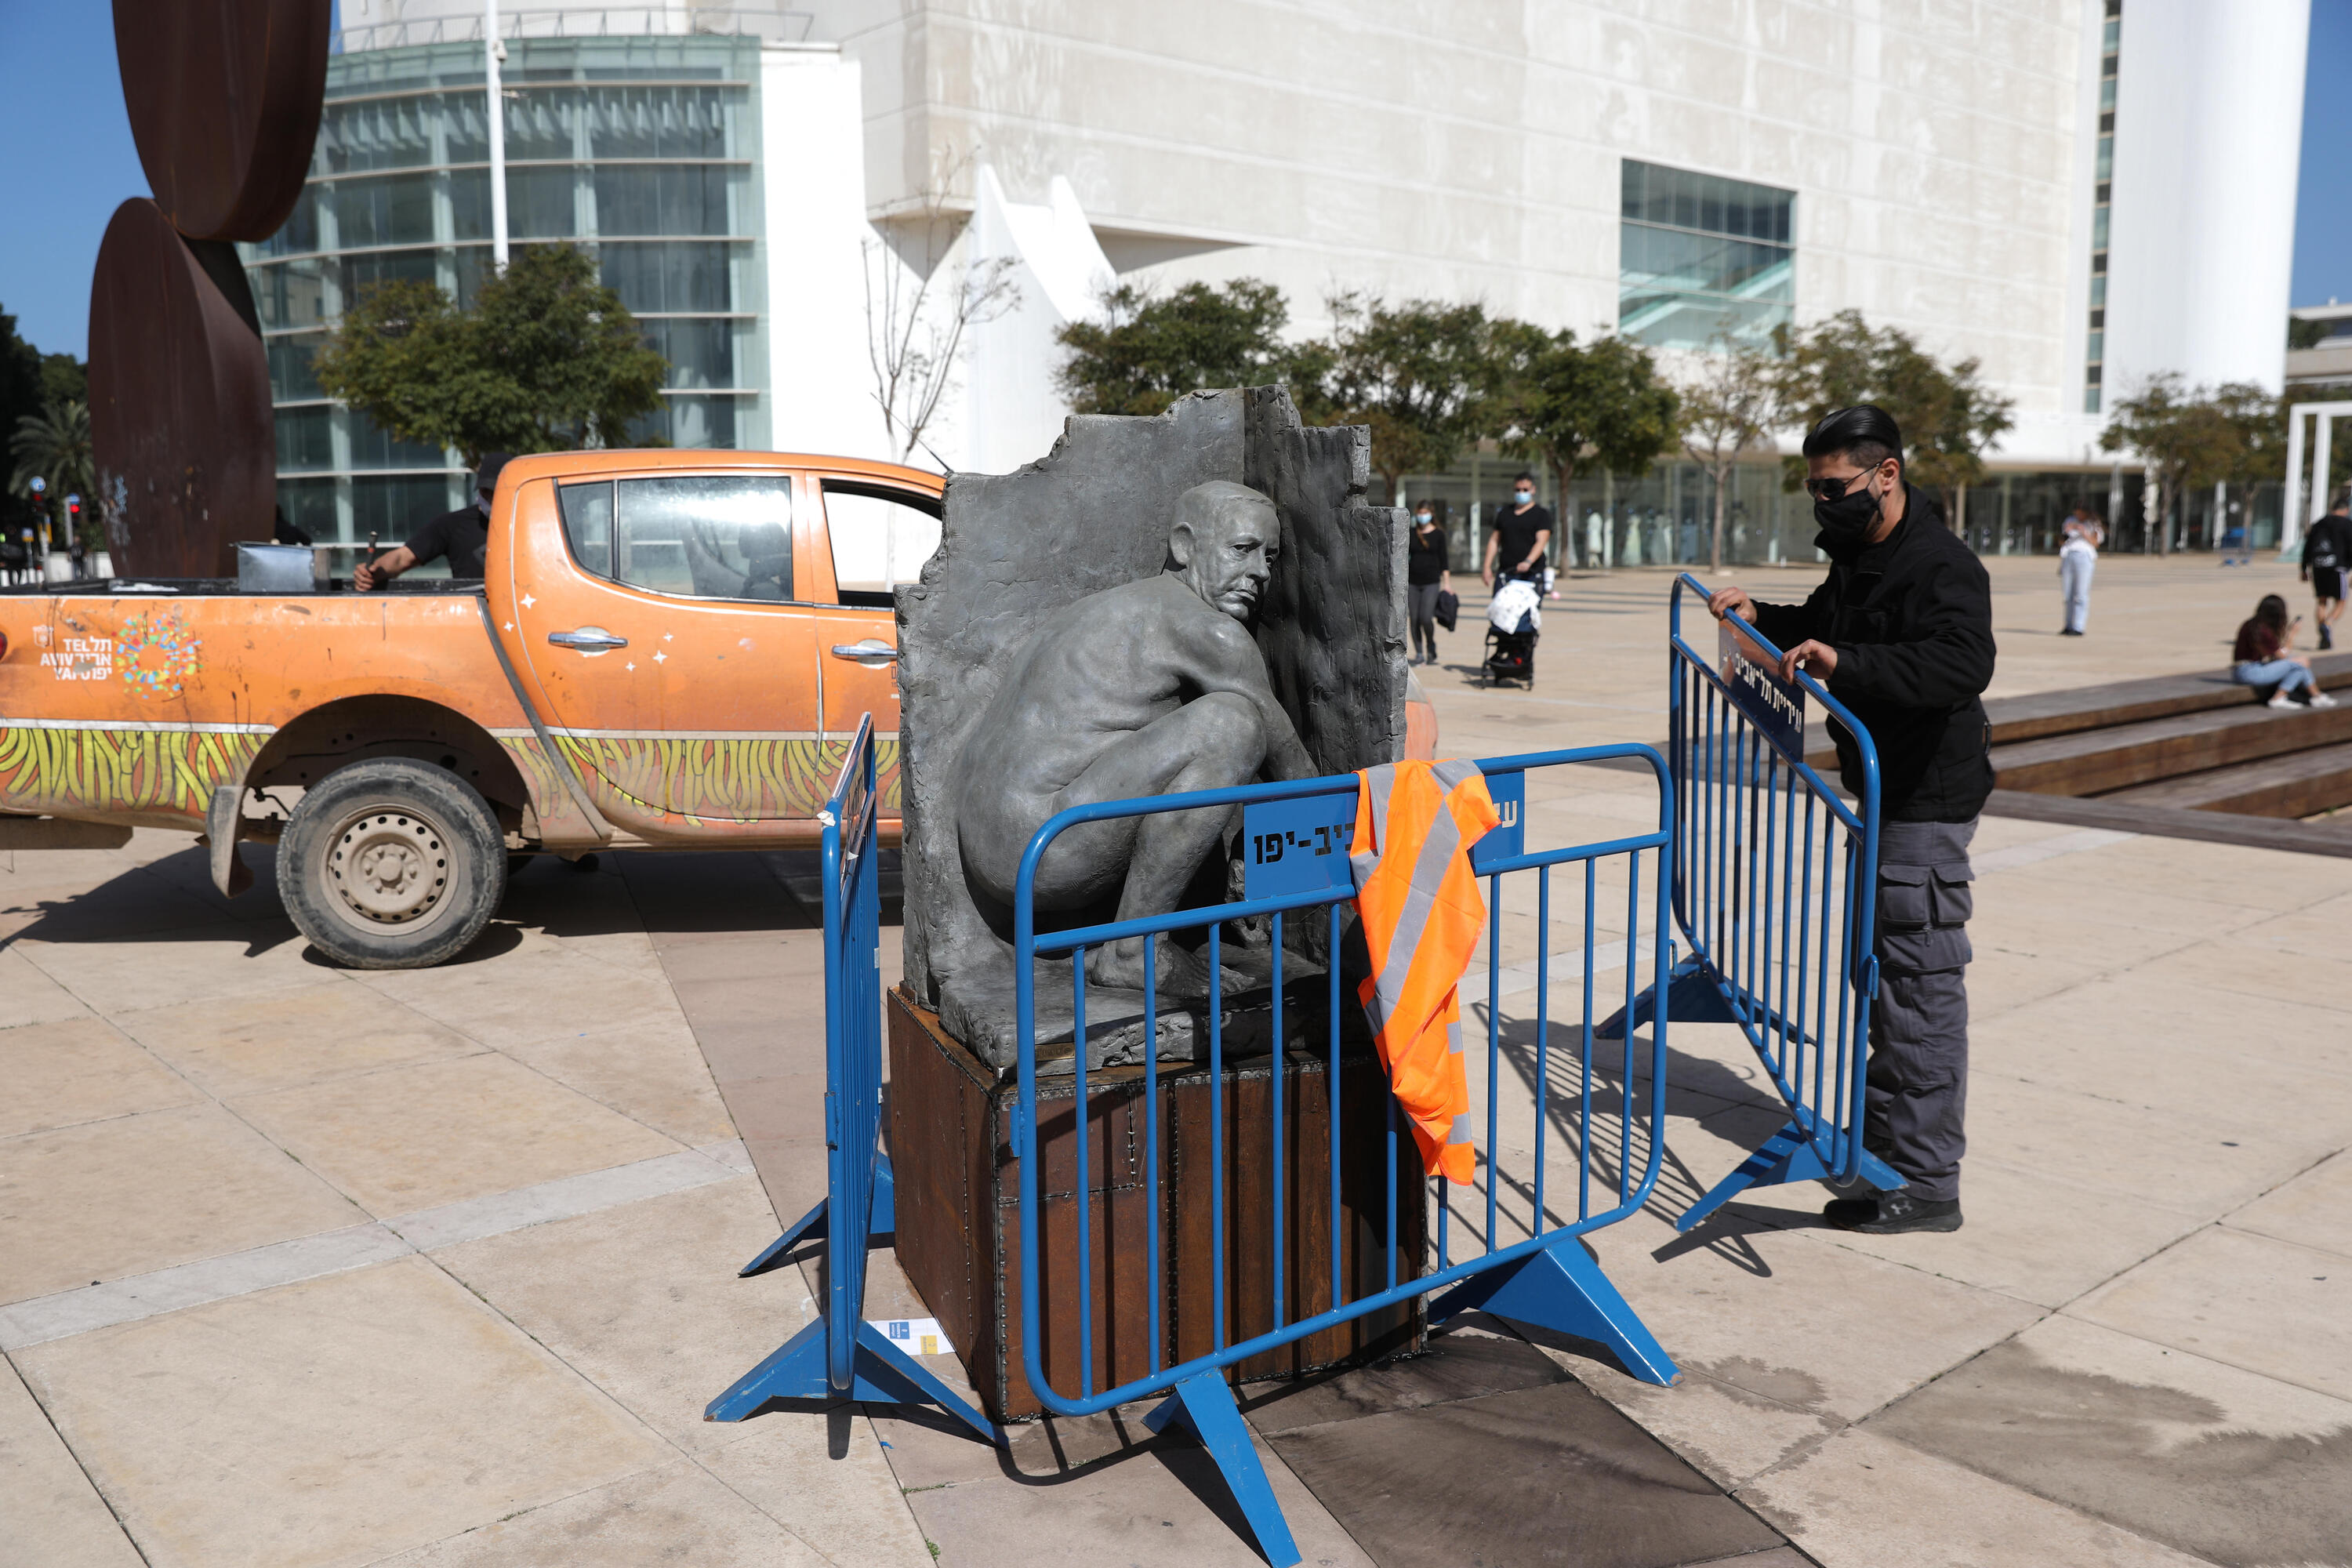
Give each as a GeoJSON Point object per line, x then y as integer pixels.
{"type": "Point", "coordinates": [1834, 488]}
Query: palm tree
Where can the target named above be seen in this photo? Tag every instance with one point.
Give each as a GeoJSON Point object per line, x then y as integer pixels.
{"type": "Point", "coordinates": [54, 445]}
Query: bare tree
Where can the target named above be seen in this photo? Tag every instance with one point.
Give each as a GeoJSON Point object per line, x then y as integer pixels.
{"type": "Point", "coordinates": [918, 307]}
{"type": "Point", "coordinates": [1730, 402]}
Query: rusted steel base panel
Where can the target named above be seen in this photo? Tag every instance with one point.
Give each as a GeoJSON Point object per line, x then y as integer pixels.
{"type": "Point", "coordinates": [959, 1214]}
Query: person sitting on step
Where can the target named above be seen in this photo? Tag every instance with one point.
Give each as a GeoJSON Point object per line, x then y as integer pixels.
{"type": "Point", "coordinates": [2264, 657]}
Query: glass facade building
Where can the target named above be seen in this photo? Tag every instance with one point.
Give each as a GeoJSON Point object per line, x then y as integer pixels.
{"type": "Point", "coordinates": [2094, 352]}
{"type": "Point", "coordinates": [1702, 258]}
{"type": "Point", "coordinates": [642, 151]}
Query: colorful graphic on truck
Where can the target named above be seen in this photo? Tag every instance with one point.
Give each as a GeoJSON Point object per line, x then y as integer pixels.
{"type": "Point", "coordinates": [90, 769]}
{"type": "Point", "coordinates": [156, 654]}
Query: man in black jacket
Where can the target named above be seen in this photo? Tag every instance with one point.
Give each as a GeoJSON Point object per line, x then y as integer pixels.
{"type": "Point", "coordinates": [1901, 632]}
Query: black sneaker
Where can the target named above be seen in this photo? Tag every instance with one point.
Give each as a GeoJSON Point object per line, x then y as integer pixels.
{"type": "Point", "coordinates": [1892, 1214]}
{"type": "Point", "coordinates": [2326, 636]}
{"type": "Point", "coordinates": [1847, 1212]}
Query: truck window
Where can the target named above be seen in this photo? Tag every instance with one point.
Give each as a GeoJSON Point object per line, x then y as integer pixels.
{"type": "Point", "coordinates": [700, 536]}
{"type": "Point", "coordinates": [588, 524]}
{"type": "Point", "coordinates": [881, 537]}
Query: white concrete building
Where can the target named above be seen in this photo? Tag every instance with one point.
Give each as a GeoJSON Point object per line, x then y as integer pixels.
{"type": "Point", "coordinates": [2077, 193]}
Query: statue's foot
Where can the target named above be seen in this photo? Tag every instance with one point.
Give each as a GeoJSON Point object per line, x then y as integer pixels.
{"type": "Point", "coordinates": [1121, 963]}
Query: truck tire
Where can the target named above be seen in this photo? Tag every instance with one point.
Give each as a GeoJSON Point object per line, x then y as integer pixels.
{"type": "Point", "coordinates": [392, 864]}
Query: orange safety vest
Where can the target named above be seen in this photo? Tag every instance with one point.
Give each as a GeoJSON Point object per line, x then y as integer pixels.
{"type": "Point", "coordinates": [1417, 901]}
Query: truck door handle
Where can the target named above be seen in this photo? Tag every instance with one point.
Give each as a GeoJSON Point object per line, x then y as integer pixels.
{"type": "Point", "coordinates": [588, 639]}
{"type": "Point", "coordinates": [871, 651]}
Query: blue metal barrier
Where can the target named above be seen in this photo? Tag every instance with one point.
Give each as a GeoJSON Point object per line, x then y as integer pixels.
{"type": "Point", "coordinates": [1525, 1261]}
{"type": "Point", "coordinates": [840, 1355]}
{"type": "Point", "coordinates": [1775, 886]}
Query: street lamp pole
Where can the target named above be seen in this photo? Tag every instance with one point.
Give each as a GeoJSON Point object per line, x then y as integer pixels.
{"type": "Point", "coordinates": [493, 52]}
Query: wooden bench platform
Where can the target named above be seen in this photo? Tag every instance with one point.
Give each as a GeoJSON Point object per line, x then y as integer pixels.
{"type": "Point", "coordinates": [2185, 756]}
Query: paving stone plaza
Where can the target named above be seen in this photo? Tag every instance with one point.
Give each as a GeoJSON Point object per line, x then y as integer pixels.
{"type": "Point", "coordinates": [300, 1266]}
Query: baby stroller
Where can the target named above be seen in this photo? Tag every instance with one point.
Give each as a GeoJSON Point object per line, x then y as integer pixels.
{"type": "Point", "coordinates": [1514, 623]}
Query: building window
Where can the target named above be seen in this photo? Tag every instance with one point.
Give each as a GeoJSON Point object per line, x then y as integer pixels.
{"type": "Point", "coordinates": [642, 151]}
{"type": "Point", "coordinates": [2094, 346]}
{"type": "Point", "coordinates": [1702, 259]}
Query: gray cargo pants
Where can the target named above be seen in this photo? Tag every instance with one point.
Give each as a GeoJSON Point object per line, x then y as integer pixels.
{"type": "Point", "coordinates": [1919, 1082]}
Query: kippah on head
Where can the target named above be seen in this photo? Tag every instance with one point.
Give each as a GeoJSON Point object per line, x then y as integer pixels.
{"type": "Point", "coordinates": [1856, 431]}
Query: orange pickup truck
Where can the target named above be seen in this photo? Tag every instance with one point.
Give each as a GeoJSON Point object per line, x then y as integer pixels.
{"type": "Point", "coordinates": [672, 650]}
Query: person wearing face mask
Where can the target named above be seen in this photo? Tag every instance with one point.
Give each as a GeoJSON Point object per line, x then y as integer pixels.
{"type": "Point", "coordinates": [463, 536]}
{"type": "Point", "coordinates": [1426, 576]}
{"type": "Point", "coordinates": [1901, 632]}
{"type": "Point", "coordinates": [1521, 534]}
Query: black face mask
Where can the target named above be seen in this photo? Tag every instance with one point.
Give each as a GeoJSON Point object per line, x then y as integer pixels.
{"type": "Point", "coordinates": [1848, 520]}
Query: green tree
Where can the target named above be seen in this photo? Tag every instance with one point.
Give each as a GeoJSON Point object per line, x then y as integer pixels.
{"type": "Point", "coordinates": [1730, 402]}
{"type": "Point", "coordinates": [547, 360]}
{"type": "Point", "coordinates": [1149, 352]}
{"type": "Point", "coordinates": [1560, 403]}
{"type": "Point", "coordinates": [2185, 436]}
{"type": "Point", "coordinates": [20, 396]}
{"type": "Point", "coordinates": [1947, 416]}
{"type": "Point", "coordinates": [54, 446]}
{"type": "Point", "coordinates": [1420, 373]}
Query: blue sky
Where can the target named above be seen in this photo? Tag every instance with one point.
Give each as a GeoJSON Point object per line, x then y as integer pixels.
{"type": "Point", "coordinates": [66, 162]}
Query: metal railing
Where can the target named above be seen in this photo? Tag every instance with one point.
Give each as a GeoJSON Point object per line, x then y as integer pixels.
{"type": "Point", "coordinates": [1775, 887]}
{"type": "Point", "coordinates": [1515, 1227]}
{"type": "Point", "coordinates": [673, 21]}
{"type": "Point", "coordinates": [840, 1355]}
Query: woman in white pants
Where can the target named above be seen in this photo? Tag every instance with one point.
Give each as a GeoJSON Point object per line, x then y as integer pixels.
{"type": "Point", "coordinates": [2078, 557]}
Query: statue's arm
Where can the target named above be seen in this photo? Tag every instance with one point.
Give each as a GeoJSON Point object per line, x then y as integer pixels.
{"type": "Point", "coordinates": [1228, 660]}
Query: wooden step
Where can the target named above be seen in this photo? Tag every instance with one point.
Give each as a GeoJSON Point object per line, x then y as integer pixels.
{"type": "Point", "coordinates": [2170, 822]}
{"type": "Point", "coordinates": [2042, 714]}
{"type": "Point", "coordinates": [2302, 784]}
{"type": "Point", "coordinates": [2097, 762]}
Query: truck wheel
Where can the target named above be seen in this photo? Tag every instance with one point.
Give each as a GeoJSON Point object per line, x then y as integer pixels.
{"type": "Point", "coordinates": [392, 864]}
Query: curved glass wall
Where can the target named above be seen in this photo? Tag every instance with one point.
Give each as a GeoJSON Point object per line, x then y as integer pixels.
{"type": "Point", "coordinates": [644, 151]}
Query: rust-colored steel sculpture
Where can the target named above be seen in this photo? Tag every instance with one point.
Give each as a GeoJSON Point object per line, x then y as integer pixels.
{"type": "Point", "coordinates": [224, 98]}
{"type": "Point", "coordinates": [179, 407]}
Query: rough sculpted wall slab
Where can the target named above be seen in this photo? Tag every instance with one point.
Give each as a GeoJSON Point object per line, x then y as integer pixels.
{"type": "Point", "coordinates": [1094, 513]}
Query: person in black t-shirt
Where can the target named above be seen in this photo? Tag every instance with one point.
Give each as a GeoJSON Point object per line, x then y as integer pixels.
{"type": "Point", "coordinates": [1521, 536]}
{"type": "Point", "coordinates": [1425, 577]}
{"type": "Point", "coordinates": [463, 536]}
{"type": "Point", "coordinates": [2326, 557]}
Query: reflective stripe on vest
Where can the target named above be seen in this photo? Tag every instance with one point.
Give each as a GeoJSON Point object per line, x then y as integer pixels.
{"type": "Point", "coordinates": [1417, 901]}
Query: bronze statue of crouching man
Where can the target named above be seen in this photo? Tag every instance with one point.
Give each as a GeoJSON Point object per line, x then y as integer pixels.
{"type": "Point", "coordinates": [1151, 688]}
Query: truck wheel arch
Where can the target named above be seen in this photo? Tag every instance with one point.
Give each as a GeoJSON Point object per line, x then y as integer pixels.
{"type": "Point", "coordinates": [356, 729]}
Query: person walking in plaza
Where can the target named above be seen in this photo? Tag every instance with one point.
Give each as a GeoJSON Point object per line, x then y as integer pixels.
{"type": "Point", "coordinates": [2078, 557]}
{"type": "Point", "coordinates": [1517, 544]}
{"type": "Point", "coordinates": [2265, 655]}
{"type": "Point", "coordinates": [1901, 632]}
{"type": "Point", "coordinates": [2326, 558]}
{"type": "Point", "coordinates": [1426, 576]}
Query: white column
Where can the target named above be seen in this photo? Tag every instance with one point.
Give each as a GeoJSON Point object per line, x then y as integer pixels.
{"type": "Point", "coordinates": [2290, 512]}
{"type": "Point", "coordinates": [2322, 459]}
{"type": "Point", "coordinates": [493, 52]}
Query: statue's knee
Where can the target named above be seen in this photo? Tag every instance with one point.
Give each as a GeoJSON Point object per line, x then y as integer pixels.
{"type": "Point", "coordinates": [1228, 725]}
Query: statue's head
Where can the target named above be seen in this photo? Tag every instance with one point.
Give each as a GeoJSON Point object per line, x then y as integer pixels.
{"type": "Point", "coordinates": [1223, 544]}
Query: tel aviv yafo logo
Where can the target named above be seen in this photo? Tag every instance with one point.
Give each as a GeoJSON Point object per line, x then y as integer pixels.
{"type": "Point", "coordinates": [155, 654]}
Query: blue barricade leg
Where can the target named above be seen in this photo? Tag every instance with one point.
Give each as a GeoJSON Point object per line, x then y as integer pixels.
{"type": "Point", "coordinates": [1787, 1156]}
{"type": "Point", "coordinates": [810, 1227]}
{"type": "Point", "coordinates": [1561, 1289]}
{"type": "Point", "coordinates": [1204, 1406]}
{"type": "Point", "coordinates": [883, 1374]}
{"type": "Point", "coordinates": [1692, 997]}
